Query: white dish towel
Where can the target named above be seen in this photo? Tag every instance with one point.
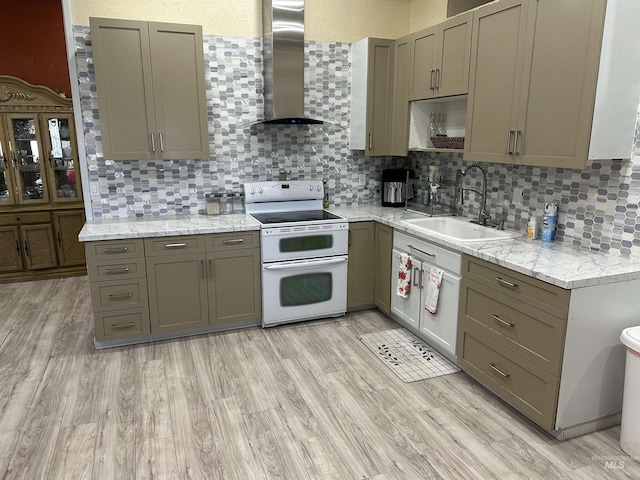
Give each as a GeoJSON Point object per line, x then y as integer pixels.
{"type": "Point", "coordinates": [433, 290]}
{"type": "Point", "coordinates": [404, 276]}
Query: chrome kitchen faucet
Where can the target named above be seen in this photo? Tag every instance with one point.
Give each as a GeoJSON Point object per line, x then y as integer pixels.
{"type": "Point", "coordinates": [483, 215]}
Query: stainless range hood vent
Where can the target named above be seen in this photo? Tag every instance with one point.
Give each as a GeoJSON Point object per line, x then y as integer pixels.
{"type": "Point", "coordinates": [283, 44]}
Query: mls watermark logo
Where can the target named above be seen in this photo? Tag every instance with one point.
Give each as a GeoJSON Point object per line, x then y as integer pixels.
{"type": "Point", "coordinates": [613, 462]}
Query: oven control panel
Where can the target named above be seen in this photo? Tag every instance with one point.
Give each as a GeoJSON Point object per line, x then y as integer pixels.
{"type": "Point", "coordinates": [283, 191]}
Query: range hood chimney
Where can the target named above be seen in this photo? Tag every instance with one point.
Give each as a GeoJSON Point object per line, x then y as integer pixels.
{"type": "Point", "coordinates": [283, 45]}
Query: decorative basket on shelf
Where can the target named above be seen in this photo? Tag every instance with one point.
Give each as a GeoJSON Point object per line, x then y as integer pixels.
{"type": "Point", "coordinates": [448, 142]}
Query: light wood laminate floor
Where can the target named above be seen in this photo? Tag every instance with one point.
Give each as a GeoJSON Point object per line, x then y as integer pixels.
{"type": "Point", "coordinates": [305, 401]}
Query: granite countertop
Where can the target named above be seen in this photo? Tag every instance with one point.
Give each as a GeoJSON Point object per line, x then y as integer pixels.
{"type": "Point", "coordinates": [562, 265]}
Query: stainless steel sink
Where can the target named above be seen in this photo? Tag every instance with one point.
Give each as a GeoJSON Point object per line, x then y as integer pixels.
{"type": "Point", "coordinates": [459, 230]}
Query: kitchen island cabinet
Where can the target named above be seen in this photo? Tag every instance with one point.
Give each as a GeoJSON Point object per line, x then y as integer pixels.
{"type": "Point", "coordinates": [151, 91]}
{"type": "Point", "coordinates": [550, 82]}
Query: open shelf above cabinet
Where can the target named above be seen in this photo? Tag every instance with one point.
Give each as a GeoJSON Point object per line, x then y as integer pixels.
{"type": "Point", "coordinates": [455, 111]}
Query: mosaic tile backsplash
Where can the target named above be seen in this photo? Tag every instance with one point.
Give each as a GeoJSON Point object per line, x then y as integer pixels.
{"type": "Point", "coordinates": [239, 153]}
{"type": "Point", "coordinates": [598, 206]}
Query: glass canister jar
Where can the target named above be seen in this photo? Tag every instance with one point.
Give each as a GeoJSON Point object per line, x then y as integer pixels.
{"type": "Point", "coordinates": [226, 203]}
{"type": "Point", "coordinates": [212, 204]}
{"type": "Point", "coordinates": [238, 203]}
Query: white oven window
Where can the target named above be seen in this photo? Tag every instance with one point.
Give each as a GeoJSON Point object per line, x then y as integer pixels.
{"type": "Point", "coordinates": [306, 289]}
{"type": "Point", "coordinates": [305, 243]}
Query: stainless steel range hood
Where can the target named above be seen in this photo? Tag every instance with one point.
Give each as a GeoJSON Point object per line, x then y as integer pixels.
{"type": "Point", "coordinates": [283, 45]}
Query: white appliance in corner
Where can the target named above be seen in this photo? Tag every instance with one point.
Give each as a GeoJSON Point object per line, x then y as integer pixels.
{"type": "Point", "coordinates": [304, 251]}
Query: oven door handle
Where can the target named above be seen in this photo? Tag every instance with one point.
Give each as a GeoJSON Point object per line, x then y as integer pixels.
{"type": "Point", "coordinates": [311, 264]}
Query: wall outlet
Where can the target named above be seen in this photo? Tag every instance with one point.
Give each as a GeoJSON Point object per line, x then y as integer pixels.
{"type": "Point", "coordinates": [362, 179]}
{"type": "Point", "coordinates": [517, 195]}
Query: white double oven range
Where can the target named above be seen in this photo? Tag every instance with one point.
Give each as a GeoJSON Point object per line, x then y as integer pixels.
{"type": "Point", "coordinates": [304, 251]}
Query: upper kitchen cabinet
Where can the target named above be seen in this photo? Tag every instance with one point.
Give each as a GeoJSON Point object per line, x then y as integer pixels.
{"type": "Point", "coordinates": [151, 91]}
{"type": "Point", "coordinates": [372, 71]}
{"type": "Point", "coordinates": [400, 109]}
{"type": "Point", "coordinates": [440, 59]}
{"type": "Point", "coordinates": [553, 83]}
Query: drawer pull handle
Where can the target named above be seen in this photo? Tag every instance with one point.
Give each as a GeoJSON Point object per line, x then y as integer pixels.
{"type": "Point", "coordinates": [116, 271]}
{"type": "Point", "coordinates": [175, 245]}
{"type": "Point", "coordinates": [504, 283]}
{"type": "Point", "coordinates": [115, 250]}
{"type": "Point", "coordinates": [120, 295]}
{"type": "Point", "coordinates": [432, 255]}
{"type": "Point", "coordinates": [504, 322]}
{"type": "Point", "coordinates": [500, 372]}
{"type": "Point", "coordinates": [233, 241]}
{"type": "Point", "coordinates": [123, 326]}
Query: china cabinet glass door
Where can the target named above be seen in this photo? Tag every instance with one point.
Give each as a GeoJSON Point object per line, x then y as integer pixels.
{"type": "Point", "coordinates": [7, 190]}
{"type": "Point", "coordinates": [60, 143]}
{"type": "Point", "coordinates": [24, 133]}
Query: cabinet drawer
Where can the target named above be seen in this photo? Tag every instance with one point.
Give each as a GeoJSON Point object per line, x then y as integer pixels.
{"type": "Point", "coordinates": [443, 258]}
{"type": "Point", "coordinates": [24, 218]}
{"type": "Point", "coordinates": [539, 294]}
{"type": "Point", "coordinates": [231, 241]}
{"type": "Point", "coordinates": [115, 249]}
{"type": "Point", "coordinates": [535, 335]}
{"type": "Point", "coordinates": [119, 294]}
{"type": "Point", "coordinates": [524, 385]}
{"type": "Point", "coordinates": [122, 324]}
{"type": "Point", "coordinates": [116, 270]}
{"type": "Point", "coordinates": [173, 245]}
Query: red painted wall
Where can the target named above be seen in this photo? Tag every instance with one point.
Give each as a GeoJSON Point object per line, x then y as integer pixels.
{"type": "Point", "coordinates": [32, 44]}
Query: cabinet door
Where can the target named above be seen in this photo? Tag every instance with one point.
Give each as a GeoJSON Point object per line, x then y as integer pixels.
{"type": "Point", "coordinates": [379, 96]}
{"type": "Point", "coordinates": [7, 187]}
{"type": "Point", "coordinates": [235, 294]}
{"type": "Point", "coordinates": [68, 226]}
{"type": "Point", "coordinates": [178, 90]}
{"type": "Point", "coordinates": [424, 62]}
{"type": "Point", "coordinates": [177, 292]}
{"type": "Point", "coordinates": [400, 116]}
{"type": "Point", "coordinates": [122, 63]}
{"type": "Point", "coordinates": [10, 250]}
{"type": "Point", "coordinates": [495, 79]}
{"type": "Point", "coordinates": [25, 138]}
{"type": "Point", "coordinates": [60, 143]}
{"type": "Point", "coordinates": [406, 309]}
{"type": "Point", "coordinates": [454, 52]}
{"type": "Point", "coordinates": [382, 285]}
{"type": "Point", "coordinates": [441, 327]}
{"type": "Point", "coordinates": [360, 267]}
{"type": "Point", "coordinates": [38, 244]}
{"type": "Point", "coordinates": [559, 82]}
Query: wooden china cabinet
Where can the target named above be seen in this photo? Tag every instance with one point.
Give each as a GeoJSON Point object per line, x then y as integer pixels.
{"type": "Point", "coordinates": [41, 210]}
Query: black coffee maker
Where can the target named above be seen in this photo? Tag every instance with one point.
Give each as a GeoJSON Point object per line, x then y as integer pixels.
{"type": "Point", "coordinates": [395, 189]}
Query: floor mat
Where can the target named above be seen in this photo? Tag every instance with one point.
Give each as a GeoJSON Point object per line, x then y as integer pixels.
{"type": "Point", "coordinates": [408, 357]}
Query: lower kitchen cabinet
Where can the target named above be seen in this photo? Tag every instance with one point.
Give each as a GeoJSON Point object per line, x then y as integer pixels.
{"type": "Point", "coordinates": [440, 328]}
{"type": "Point", "coordinates": [383, 240]}
{"type": "Point", "coordinates": [234, 286]}
{"type": "Point", "coordinates": [360, 276]}
{"type": "Point", "coordinates": [552, 353]}
{"type": "Point", "coordinates": [166, 286]}
{"type": "Point", "coordinates": [177, 292]}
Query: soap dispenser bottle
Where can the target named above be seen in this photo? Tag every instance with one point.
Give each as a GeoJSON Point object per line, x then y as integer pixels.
{"type": "Point", "coordinates": [532, 227]}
